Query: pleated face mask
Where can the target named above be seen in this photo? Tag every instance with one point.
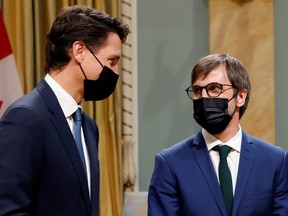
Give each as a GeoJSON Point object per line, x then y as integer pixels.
{"type": "Point", "coordinates": [212, 114]}
{"type": "Point", "coordinates": [101, 88]}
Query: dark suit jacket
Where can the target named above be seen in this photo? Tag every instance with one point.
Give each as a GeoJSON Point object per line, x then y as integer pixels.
{"type": "Point", "coordinates": [184, 181]}
{"type": "Point", "coordinates": [40, 168]}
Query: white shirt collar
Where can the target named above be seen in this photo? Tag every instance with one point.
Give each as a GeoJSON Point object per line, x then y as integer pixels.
{"type": "Point", "coordinates": [234, 142]}
{"type": "Point", "coordinates": [66, 101]}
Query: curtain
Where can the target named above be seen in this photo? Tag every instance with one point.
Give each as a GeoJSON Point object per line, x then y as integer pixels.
{"type": "Point", "coordinates": [27, 23]}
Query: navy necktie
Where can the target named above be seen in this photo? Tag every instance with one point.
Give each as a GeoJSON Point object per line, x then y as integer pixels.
{"type": "Point", "coordinates": [225, 177]}
{"type": "Point", "coordinates": [77, 127]}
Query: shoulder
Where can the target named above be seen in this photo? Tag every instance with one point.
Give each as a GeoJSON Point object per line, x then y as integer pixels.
{"type": "Point", "coordinates": [34, 99]}
{"type": "Point", "coordinates": [32, 107]}
{"type": "Point", "coordinates": [263, 147]}
{"type": "Point", "coordinates": [183, 147]}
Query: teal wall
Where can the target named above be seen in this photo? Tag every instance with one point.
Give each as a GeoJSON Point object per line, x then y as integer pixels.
{"type": "Point", "coordinates": [281, 71]}
{"type": "Point", "coordinates": [172, 36]}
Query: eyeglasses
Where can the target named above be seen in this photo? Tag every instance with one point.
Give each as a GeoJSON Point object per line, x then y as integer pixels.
{"type": "Point", "coordinates": [213, 90]}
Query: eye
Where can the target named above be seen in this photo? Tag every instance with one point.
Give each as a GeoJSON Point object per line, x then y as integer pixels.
{"type": "Point", "coordinates": [196, 90]}
{"type": "Point", "coordinates": [113, 61]}
{"type": "Point", "coordinates": [214, 88]}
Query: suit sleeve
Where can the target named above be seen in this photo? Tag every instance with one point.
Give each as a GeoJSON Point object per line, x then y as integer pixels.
{"type": "Point", "coordinates": [18, 161]}
{"type": "Point", "coordinates": [281, 190]}
{"type": "Point", "coordinates": [162, 195]}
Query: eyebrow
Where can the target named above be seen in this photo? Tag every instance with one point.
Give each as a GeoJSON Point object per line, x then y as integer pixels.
{"type": "Point", "coordinates": [117, 57]}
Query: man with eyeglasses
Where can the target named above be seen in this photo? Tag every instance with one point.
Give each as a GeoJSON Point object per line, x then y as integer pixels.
{"type": "Point", "coordinates": [220, 171]}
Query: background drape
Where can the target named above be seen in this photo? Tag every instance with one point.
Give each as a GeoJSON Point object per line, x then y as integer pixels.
{"type": "Point", "coordinates": [27, 23]}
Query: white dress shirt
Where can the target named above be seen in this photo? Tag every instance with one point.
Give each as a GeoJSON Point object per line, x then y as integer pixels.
{"type": "Point", "coordinates": [69, 106]}
{"type": "Point", "coordinates": [232, 158]}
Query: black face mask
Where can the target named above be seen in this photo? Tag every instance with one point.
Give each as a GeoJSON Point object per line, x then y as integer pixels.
{"type": "Point", "coordinates": [212, 114]}
{"type": "Point", "coordinates": [101, 88]}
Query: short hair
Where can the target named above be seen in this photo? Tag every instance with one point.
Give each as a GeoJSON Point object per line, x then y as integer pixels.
{"type": "Point", "coordinates": [79, 23]}
{"type": "Point", "coordinates": [235, 70]}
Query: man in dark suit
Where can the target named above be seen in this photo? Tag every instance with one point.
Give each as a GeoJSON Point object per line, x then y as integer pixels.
{"type": "Point", "coordinates": [221, 170]}
{"type": "Point", "coordinates": [43, 169]}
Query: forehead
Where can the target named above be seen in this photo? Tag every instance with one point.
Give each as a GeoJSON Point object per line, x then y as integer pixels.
{"type": "Point", "coordinates": [218, 74]}
{"type": "Point", "coordinates": [112, 46]}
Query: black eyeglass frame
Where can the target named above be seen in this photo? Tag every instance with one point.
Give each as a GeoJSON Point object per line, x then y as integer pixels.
{"type": "Point", "coordinates": [190, 92]}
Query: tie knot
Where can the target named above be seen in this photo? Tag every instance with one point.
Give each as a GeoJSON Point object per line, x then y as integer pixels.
{"type": "Point", "coordinates": [78, 115]}
{"type": "Point", "coordinates": [223, 151]}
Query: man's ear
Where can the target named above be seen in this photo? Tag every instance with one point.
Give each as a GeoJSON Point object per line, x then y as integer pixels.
{"type": "Point", "coordinates": [77, 51]}
{"type": "Point", "coordinates": [241, 97]}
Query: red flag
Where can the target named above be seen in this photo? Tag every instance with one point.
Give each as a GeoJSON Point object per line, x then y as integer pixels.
{"type": "Point", "coordinates": [10, 87]}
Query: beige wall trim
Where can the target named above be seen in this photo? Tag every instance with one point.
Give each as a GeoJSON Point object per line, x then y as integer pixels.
{"type": "Point", "coordinates": [129, 98]}
{"type": "Point", "coordinates": [245, 29]}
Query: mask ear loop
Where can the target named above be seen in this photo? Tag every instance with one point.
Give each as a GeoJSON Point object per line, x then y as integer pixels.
{"type": "Point", "coordinates": [94, 56]}
{"type": "Point", "coordinates": [82, 71]}
{"type": "Point", "coordinates": [235, 93]}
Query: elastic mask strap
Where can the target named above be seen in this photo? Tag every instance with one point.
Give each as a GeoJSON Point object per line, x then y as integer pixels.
{"type": "Point", "coordinates": [94, 55]}
{"type": "Point", "coordinates": [231, 99]}
{"type": "Point", "coordinates": [82, 71]}
{"type": "Point", "coordinates": [235, 93]}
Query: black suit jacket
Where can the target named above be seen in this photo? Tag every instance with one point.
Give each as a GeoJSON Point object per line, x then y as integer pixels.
{"type": "Point", "coordinates": [40, 167]}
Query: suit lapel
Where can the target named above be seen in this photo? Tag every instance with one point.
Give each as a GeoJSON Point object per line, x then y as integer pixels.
{"type": "Point", "coordinates": [60, 123]}
{"type": "Point", "coordinates": [204, 161]}
{"type": "Point", "coordinates": [91, 139]}
{"type": "Point", "coordinates": [245, 164]}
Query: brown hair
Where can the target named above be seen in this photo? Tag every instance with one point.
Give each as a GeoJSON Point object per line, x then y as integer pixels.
{"type": "Point", "coordinates": [79, 23]}
{"type": "Point", "coordinates": [235, 70]}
